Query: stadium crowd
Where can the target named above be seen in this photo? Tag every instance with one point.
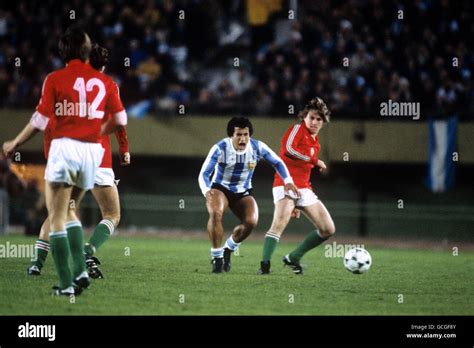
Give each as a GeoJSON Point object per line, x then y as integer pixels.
{"type": "Point", "coordinates": [165, 53]}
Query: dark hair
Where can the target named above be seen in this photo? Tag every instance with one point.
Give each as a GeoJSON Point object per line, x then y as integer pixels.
{"type": "Point", "coordinates": [99, 57]}
{"type": "Point", "coordinates": [74, 44]}
{"type": "Point", "coordinates": [239, 122]}
{"type": "Point", "coordinates": [318, 105]}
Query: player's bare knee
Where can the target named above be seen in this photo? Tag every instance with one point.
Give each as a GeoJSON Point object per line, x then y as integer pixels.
{"type": "Point", "coordinates": [216, 215]}
{"type": "Point", "coordinates": [251, 223]}
{"type": "Point", "coordinates": [328, 231]}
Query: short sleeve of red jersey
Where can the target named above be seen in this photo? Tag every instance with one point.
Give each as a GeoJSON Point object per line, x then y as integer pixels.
{"type": "Point", "coordinates": [291, 142]}
{"type": "Point", "coordinates": [115, 106]}
{"type": "Point", "coordinates": [46, 104]}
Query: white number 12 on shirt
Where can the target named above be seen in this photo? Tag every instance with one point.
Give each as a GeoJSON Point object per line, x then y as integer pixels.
{"type": "Point", "coordinates": [82, 87]}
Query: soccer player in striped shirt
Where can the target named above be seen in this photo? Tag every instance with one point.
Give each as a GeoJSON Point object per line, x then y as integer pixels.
{"type": "Point", "coordinates": [300, 150]}
{"type": "Point", "coordinates": [232, 162]}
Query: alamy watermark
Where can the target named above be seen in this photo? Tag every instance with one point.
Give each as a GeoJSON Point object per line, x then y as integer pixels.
{"type": "Point", "coordinates": [75, 109]}
{"type": "Point", "coordinates": [339, 250]}
{"type": "Point", "coordinates": [402, 109]}
{"type": "Point", "coordinates": [37, 331]}
{"type": "Point", "coordinates": [9, 250]}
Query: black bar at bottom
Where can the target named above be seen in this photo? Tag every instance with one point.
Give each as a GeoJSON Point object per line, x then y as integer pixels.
{"type": "Point", "coordinates": [134, 330]}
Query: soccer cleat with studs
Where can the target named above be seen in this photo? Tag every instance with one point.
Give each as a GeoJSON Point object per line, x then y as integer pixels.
{"type": "Point", "coordinates": [33, 270]}
{"type": "Point", "coordinates": [295, 266]}
{"type": "Point", "coordinates": [264, 267]}
{"type": "Point", "coordinates": [92, 264]}
{"type": "Point", "coordinates": [82, 281]}
{"type": "Point", "coordinates": [70, 291]}
{"type": "Point", "coordinates": [78, 285]}
{"type": "Point", "coordinates": [217, 265]}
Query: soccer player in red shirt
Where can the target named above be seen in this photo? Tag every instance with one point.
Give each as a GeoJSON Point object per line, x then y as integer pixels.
{"type": "Point", "coordinates": [105, 190]}
{"type": "Point", "coordinates": [299, 151]}
{"type": "Point", "coordinates": [75, 99]}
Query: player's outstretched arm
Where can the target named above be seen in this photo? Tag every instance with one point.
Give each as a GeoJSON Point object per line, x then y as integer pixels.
{"type": "Point", "coordinates": [207, 169]}
{"type": "Point", "coordinates": [28, 132]}
{"type": "Point", "coordinates": [38, 121]}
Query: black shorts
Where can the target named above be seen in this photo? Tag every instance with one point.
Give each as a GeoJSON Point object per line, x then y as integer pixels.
{"type": "Point", "coordinates": [232, 197]}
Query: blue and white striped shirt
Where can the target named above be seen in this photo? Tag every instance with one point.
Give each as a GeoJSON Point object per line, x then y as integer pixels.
{"type": "Point", "coordinates": [234, 169]}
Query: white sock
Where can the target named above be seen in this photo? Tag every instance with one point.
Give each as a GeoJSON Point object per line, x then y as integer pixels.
{"type": "Point", "coordinates": [217, 252]}
{"type": "Point", "coordinates": [230, 244]}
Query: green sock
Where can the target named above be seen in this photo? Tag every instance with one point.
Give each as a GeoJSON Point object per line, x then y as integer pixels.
{"type": "Point", "coordinates": [101, 233]}
{"type": "Point", "coordinates": [60, 251]}
{"type": "Point", "coordinates": [41, 252]}
{"type": "Point", "coordinates": [76, 243]}
{"type": "Point", "coordinates": [312, 240]}
{"type": "Point", "coordinates": [269, 245]}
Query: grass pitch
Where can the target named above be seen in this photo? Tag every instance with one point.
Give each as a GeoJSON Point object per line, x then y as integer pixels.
{"type": "Point", "coordinates": [157, 276]}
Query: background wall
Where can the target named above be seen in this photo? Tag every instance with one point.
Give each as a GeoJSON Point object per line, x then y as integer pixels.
{"type": "Point", "coordinates": [378, 192]}
{"type": "Point", "coordinates": [384, 141]}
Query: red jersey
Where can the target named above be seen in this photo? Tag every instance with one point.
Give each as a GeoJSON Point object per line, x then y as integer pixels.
{"type": "Point", "coordinates": [77, 97]}
{"type": "Point", "coordinates": [120, 135]}
{"type": "Point", "coordinates": [299, 150]}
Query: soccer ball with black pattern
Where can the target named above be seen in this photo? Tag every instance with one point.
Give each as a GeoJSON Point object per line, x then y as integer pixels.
{"type": "Point", "coordinates": [357, 260]}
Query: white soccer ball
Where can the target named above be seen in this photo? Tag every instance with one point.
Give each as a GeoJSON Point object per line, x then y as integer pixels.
{"type": "Point", "coordinates": [357, 260]}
